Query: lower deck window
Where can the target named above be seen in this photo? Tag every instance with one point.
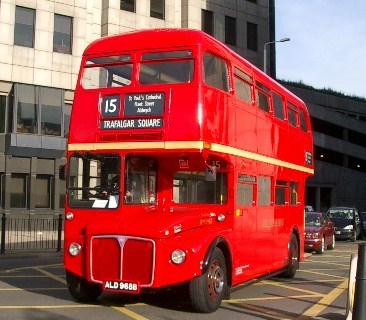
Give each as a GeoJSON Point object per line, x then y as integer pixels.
{"type": "Point", "coordinates": [192, 187]}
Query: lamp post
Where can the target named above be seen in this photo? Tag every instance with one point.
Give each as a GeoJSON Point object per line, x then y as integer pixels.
{"type": "Point", "coordinates": [265, 52]}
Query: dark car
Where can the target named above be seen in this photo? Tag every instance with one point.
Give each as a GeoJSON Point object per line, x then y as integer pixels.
{"type": "Point", "coordinates": [319, 232]}
{"type": "Point", "coordinates": [346, 221]}
{"type": "Point", "coordinates": [363, 221]}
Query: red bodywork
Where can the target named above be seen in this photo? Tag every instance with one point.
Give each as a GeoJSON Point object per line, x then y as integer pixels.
{"type": "Point", "coordinates": [200, 123]}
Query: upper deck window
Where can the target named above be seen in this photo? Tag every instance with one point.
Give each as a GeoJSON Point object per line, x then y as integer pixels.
{"type": "Point", "coordinates": [278, 106]}
{"type": "Point", "coordinates": [302, 118]}
{"type": "Point", "coordinates": [215, 72]}
{"type": "Point", "coordinates": [292, 114]}
{"type": "Point", "coordinates": [166, 67]}
{"type": "Point", "coordinates": [262, 93]}
{"type": "Point", "coordinates": [243, 87]}
{"type": "Point", "coordinates": [106, 72]}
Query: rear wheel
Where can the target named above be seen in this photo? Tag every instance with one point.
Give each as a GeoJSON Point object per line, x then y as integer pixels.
{"type": "Point", "coordinates": [293, 258]}
{"type": "Point", "coordinates": [82, 290]}
{"type": "Point", "coordinates": [207, 291]}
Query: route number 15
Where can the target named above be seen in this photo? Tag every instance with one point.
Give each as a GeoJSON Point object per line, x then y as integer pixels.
{"type": "Point", "coordinates": [110, 106]}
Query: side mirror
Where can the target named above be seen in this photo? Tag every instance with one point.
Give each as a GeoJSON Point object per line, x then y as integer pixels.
{"type": "Point", "coordinates": [210, 173]}
{"type": "Point", "coordinates": [62, 172]}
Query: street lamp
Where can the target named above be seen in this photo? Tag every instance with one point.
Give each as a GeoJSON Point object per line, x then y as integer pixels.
{"type": "Point", "coordinates": [265, 52]}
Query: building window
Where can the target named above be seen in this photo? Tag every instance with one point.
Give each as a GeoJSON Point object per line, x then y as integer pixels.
{"type": "Point", "coordinates": [230, 30]}
{"type": "Point", "coordinates": [39, 110]}
{"type": "Point", "coordinates": [2, 113]}
{"type": "Point", "coordinates": [26, 109]}
{"type": "Point", "coordinates": [51, 112]}
{"type": "Point", "coordinates": [43, 191]}
{"type": "Point", "coordinates": [19, 191]}
{"type": "Point", "coordinates": [62, 35]}
{"type": "Point", "coordinates": [67, 115]}
{"type": "Point", "coordinates": [157, 9]}
{"type": "Point", "coordinates": [253, 1]}
{"type": "Point", "coordinates": [24, 27]}
{"type": "Point", "coordinates": [252, 39]}
{"type": "Point", "coordinates": [128, 5]}
{"type": "Point", "coordinates": [207, 22]}
{"type": "Point", "coordinates": [2, 190]}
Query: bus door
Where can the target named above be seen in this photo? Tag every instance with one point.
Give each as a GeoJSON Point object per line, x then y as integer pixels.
{"type": "Point", "coordinates": [245, 227]}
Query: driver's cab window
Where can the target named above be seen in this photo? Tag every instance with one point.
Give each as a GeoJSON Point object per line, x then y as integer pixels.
{"type": "Point", "coordinates": [94, 180]}
{"type": "Point", "coordinates": [140, 181]}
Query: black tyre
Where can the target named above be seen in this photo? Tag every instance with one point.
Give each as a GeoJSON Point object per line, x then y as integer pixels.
{"type": "Point", "coordinates": [82, 290]}
{"type": "Point", "coordinates": [332, 245]}
{"type": "Point", "coordinates": [207, 291]}
{"type": "Point", "coordinates": [293, 258]}
{"type": "Point", "coordinates": [354, 237]}
{"type": "Point", "coordinates": [322, 246]}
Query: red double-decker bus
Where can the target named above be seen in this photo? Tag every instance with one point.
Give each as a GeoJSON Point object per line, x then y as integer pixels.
{"type": "Point", "coordinates": [185, 165]}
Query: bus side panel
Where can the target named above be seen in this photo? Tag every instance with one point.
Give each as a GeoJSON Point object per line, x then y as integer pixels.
{"type": "Point", "coordinates": [182, 121]}
{"type": "Point", "coordinates": [83, 122]}
{"type": "Point", "coordinates": [219, 117]}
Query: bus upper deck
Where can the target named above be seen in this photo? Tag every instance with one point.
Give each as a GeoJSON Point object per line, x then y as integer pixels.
{"type": "Point", "coordinates": [184, 89]}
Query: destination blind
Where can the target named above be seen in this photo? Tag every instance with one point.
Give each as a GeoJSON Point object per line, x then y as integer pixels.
{"type": "Point", "coordinates": [141, 123]}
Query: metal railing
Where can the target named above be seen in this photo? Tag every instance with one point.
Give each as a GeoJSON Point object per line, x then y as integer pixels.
{"type": "Point", "coordinates": [31, 233]}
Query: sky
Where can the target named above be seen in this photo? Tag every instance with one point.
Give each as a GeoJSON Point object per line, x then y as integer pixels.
{"type": "Point", "coordinates": [328, 44]}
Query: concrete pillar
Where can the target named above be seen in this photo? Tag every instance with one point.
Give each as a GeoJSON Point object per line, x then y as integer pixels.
{"type": "Point", "coordinates": [32, 186]}
{"type": "Point", "coordinates": [7, 183]}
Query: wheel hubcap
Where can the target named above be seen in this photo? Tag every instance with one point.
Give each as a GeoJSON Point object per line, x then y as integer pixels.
{"type": "Point", "coordinates": [215, 281]}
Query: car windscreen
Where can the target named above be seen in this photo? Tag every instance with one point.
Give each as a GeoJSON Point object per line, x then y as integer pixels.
{"type": "Point", "coordinates": [312, 219]}
{"type": "Point", "coordinates": [344, 214]}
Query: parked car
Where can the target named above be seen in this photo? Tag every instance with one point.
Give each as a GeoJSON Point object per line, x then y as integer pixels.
{"type": "Point", "coordinates": [346, 221]}
{"type": "Point", "coordinates": [363, 221]}
{"type": "Point", "coordinates": [319, 232]}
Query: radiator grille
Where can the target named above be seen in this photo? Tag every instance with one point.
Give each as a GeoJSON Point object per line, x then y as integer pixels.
{"type": "Point", "coordinates": [122, 258]}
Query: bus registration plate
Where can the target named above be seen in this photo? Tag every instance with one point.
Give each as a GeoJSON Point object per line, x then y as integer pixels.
{"type": "Point", "coordinates": [122, 286]}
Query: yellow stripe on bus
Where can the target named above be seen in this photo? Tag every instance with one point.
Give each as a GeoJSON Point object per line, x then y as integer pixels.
{"type": "Point", "coordinates": [197, 145]}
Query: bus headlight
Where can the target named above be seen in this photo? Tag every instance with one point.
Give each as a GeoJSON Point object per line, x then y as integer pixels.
{"type": "Point", "coordinates": [69, 216]}
{"type": "Point", "coordinates": [178, 256]}
{"type": "Point", "coordinates": [74, 249]}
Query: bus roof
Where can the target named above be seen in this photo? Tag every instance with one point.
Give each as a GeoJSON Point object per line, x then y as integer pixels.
{"type": "Point", "coordinates": [176, 37]}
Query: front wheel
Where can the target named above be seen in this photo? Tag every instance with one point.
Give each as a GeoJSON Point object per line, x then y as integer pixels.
{"type": "Point", "coordinates": [293, 258]}
{"type": "Point", "coordinates": [322, 246]}
{"type": "Point", "coordinates": [332, 245]}
{"type": "Point", "coordinates": [207, 291]}
{"type": "Point", "coordinates": [82, 290]}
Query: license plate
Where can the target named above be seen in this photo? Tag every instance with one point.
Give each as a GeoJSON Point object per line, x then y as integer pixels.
{"type": "Point", "coordinates": [122, 286]}
{"type": "Point", "coordinates": [337, 232]}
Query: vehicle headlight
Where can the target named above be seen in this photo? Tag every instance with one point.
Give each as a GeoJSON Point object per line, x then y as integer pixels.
{"type": "Point", "coordinates": [315, 235]}
{"type": "Point", "coordinates": [178, 256]}
{"type": "Point", "coordinates": [74, 249]}
{"type": "Point", "coordinates": [349, 227]}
